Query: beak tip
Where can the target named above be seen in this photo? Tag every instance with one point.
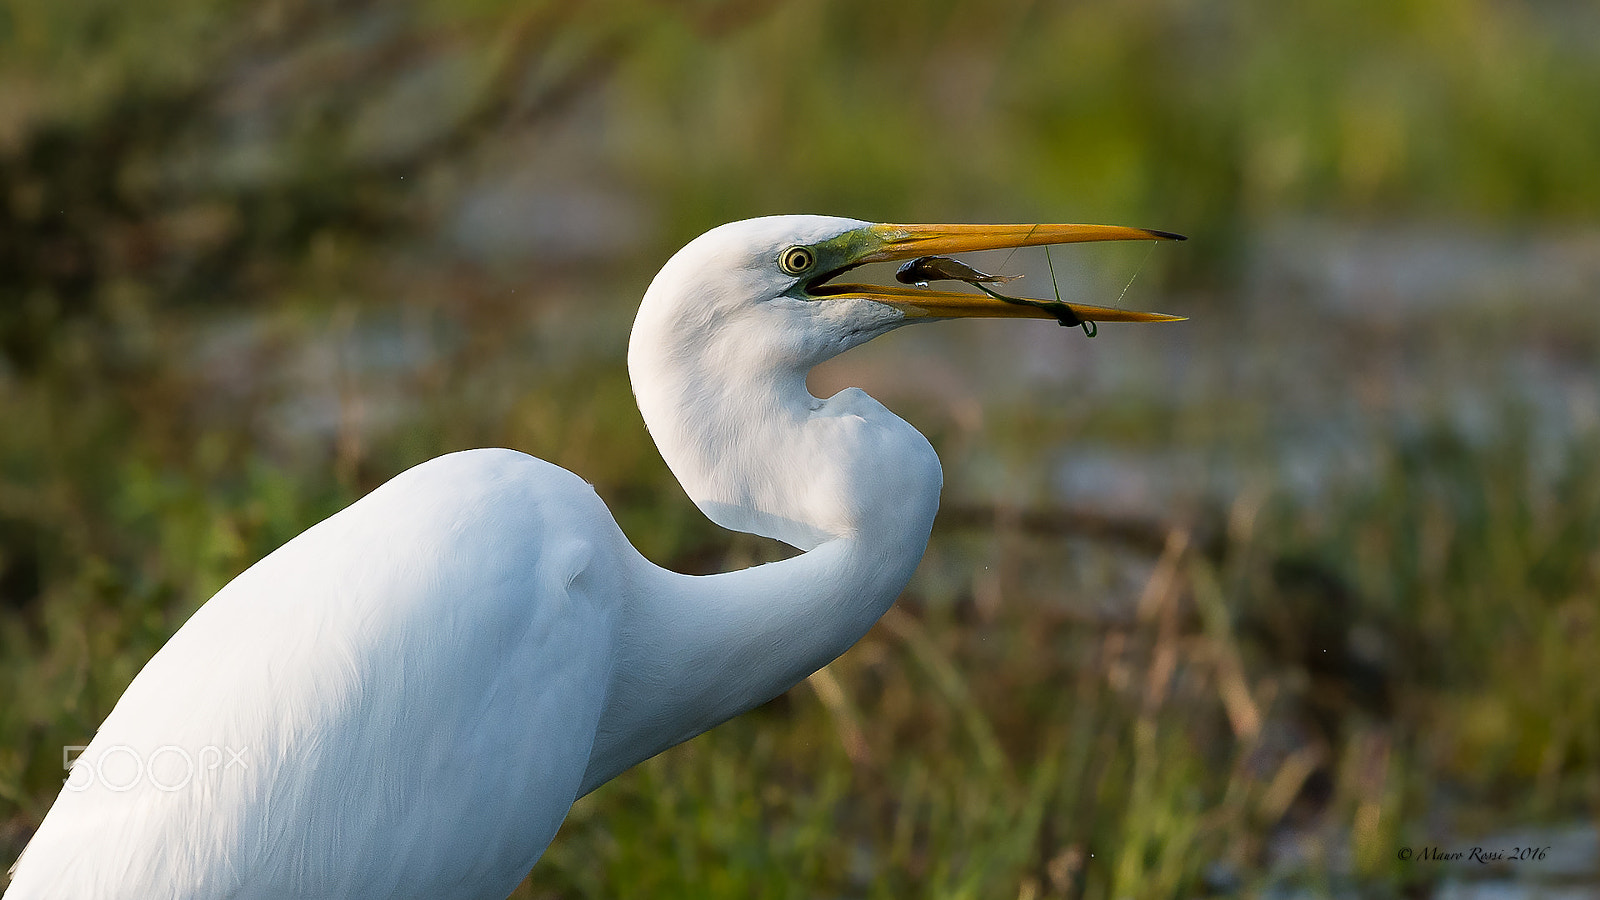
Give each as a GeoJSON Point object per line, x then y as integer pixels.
{"type": "Point", "coordinates": [1168, 235]}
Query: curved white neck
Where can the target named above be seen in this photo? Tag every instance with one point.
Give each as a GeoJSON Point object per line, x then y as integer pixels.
{"type": "Point", "coordinates": [703, 649]}
{"type": "Point", "coordinates": [843, 478]}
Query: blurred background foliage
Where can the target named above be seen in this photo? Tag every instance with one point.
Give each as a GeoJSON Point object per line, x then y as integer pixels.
{"type": "Point", "coordinates": [1236, 607]}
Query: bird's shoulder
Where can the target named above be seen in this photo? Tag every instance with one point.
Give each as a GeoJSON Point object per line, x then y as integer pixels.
{"type": "Point", "coordinates": [475, 515]}
{"type": "Point", "coordinates": [489, 477]}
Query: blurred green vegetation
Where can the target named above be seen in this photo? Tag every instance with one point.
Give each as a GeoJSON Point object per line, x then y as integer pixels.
{"type": "Point", "coordinates": [257, 258]}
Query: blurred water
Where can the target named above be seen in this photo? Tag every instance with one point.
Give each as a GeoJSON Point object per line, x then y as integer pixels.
{"type": "Point", "coordinates": [1344, 339]}
{"type": "Point", "coordinates": [1403, 272]}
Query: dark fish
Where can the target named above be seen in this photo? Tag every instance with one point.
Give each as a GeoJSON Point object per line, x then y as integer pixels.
{"type": "Point", "coordinates": [942, 268]}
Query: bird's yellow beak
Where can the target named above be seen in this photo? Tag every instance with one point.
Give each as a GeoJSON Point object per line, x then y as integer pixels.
{"type": "Point", "coordinates": [886, 243]}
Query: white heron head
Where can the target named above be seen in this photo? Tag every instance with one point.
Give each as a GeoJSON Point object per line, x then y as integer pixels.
{"type": "Point", "coordinates": [760, 295]}
{"type": "Point", "coordinates": [733, 322]}
{"type": "Point", "coordinates": [737, 300]}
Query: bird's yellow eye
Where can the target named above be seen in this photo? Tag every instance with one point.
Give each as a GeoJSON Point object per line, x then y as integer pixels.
{"type": "Point", "coordinates": [796, 260]}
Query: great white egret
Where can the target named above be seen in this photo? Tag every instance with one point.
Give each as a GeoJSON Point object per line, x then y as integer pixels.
{"type": "Point", "coordinates": [405, 700]}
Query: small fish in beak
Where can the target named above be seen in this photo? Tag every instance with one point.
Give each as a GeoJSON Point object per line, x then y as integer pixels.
{"type": "Point", "coordinates": [942, 268]}
{"type": "Point", "coordinates": [924, 269]}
